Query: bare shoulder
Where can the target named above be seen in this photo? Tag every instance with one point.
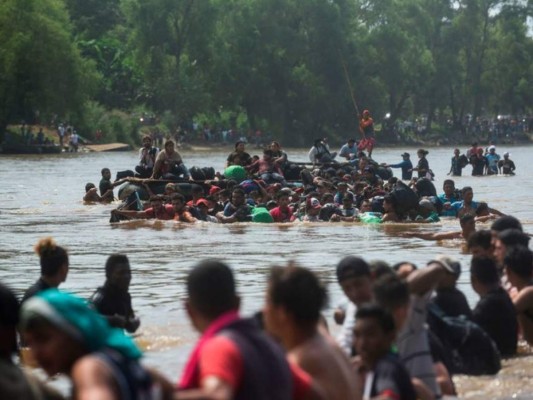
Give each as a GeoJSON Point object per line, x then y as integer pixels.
{"type": "Point", "coordinates": [524, 300]}
{"type": "Point", "coordinates": [93, 379]}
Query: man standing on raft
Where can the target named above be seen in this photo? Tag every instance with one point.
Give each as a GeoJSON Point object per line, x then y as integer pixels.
{"type": "Point", "coordinates": [366, 127]}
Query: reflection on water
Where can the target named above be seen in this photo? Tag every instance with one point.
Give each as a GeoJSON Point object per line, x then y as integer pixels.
{"type": "Point", "coordinates": [45, 200]}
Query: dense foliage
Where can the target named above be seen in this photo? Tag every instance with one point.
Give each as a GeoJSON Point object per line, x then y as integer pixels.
{"type": "Point", "coordinates": [287, 67]}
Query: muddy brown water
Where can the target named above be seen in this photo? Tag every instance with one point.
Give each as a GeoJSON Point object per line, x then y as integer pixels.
{"type": "Point", "coordinates": [41, 196]}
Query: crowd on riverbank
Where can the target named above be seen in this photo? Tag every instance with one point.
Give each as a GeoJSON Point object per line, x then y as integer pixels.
{"type": "Point", "coordinates": [406, 331]}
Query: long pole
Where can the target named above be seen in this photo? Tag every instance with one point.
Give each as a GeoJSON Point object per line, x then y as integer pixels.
{"type": "Point", "coordinates": [347, 76]}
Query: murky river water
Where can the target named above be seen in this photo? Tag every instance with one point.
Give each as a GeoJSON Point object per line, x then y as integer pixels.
{"type": "Point", "coordinates": [41, 196]}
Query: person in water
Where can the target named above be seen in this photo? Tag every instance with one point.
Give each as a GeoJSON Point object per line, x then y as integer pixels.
{"type": "Point", "coordinates": [237, 210]}
{"type": "Point", "coordinates": [449, 197]}
{"type": "Point", "coordinates": [113, 300]}
{"type": "Point", "coordinates": [106, 186]}
{"type": "Point", "coordinates": [506, 166]}
{"type": "Point", "coordinates": [366, 127]}
{"type": "Point", "coordinates": [291, 314]}
{"type": "Point", "coordinates": [406, 166]}
{"type": "Point", "coordinates": [468, 227]}
{"type": "Point", "coordinates": [67, 337]}
{"type": "Point", "coordinates": [458, 163]}
{"type": "Point", "coordinates": [157, 210]}
{"type": "Point", "coordinates": [233, 359]}
{"type": "Point", "coordinates": [91, 194]}
{"type": "Point", "coordinates": [54, 267]}
{"type": "Point", "coordinates": [423, 166]}
{"type": "Point", "coordinates": [182, 212]}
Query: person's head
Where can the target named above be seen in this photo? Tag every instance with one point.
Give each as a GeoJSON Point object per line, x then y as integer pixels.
{"type": "Point", "coordinates": [392, 293]}
{"type": "Point", "coordinates": [178, 201]}
{"type": "Point", "coordinates": [404, 268]}
{"type": "Point", "coordinates": [9, 318]}
{"type": "Point", "coordinates": [295, 297]}
{"type": "Point", "coordinates": [492, 149]}
{"type": "Point", "coordinates": [483, 274]}
{"type": "Point", "coordinates": [283, 199]}
{"type": "Point", "coordinates": [156, 202]}
{"type": "Point", "coordinates": [203, 206]}
{"type": "Point", "coordinates": [239, 146]}
{"type": "Point", "coordinates": [238, 197]}
{"type": "Point", "coordinates": [449, 281]}
{"type": "Point", "coordinates": [275, 146]}
{"type": "Point", "coordinates": [507, 239]}
{"type": "Point", "coordinates": [210, 292]}
{"type": "Point", "coordinates": [53, 259]}
{"type": "Point", "coordinates": [482, 209]}
{"type": "Point", "coordinates": [351, 142]}
{"type": "Point", "coordinates": [468, 194]}
{"type": "Point", "coordinates": [366, 206]}
{"type": "Point", "coordinates": [379, 268]}
{"type": "Point", "coordinates": [448, 186]}
{"type": "Point", "coordinates": [421, 153]}
{"type": "Point", "coordinates": [406, 156]}
{"type": "Point", "coordinates": [374, 333]}
{"type": "Point", "coordinates": [267, 154]}
{"type": "Point", "coordinates": [480, 244]}
{"type": "Point", "coordinates": [389, 203]}
{"type": "Point", "coordinates": [468, 224]}
{"type": "Point", "coordinates": [89, 186]}
{"type": "Point", "coordinates": [147, 141]}
{"type": "Point", "coordinates": [223, 195]}
{"type": "Point", "coordinates": [506, 155]}
{"type": "Point", "coordinates": [353, 276]}
{"type": "Point", "coordinates": [518, 262]}
{"type": "Point", "coordinates": [61, 328]}
{"type": "Point", "coordinates": [366, 114]}
{"type": "Point", "coordinates": [170, 188]}
{"type": "Point", "coordinates": [456, 152]}
{"type": "Point", "coordinates": [347, 201]}
{"type": "Point", "coordinates": [327, 198]}
{"type": "Point", "coordinates": [169, 146]}
{"type": "Point", "coordinates": [118, 271]}
{"type": "Point", "coordinates": [503, 223]}
{"type": "Point", "coordinates": [197, 192]}
{"type": "Point", "coordinates": [106, 173]}
{"type": "Point", "coordinates": [313, 206]}
{"type": "Point", "coordinates": [426, 207]}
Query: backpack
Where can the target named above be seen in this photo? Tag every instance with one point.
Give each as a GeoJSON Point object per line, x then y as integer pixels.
{"type": "Point", "coordinates": [471, 350]}
{"type": "Point", "coordinates": [197, 173]}
{"type": "Point", "coordinates": [406, 198]}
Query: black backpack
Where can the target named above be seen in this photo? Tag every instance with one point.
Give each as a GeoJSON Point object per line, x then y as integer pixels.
{"type": "Point", "coordinates": [471, 350]}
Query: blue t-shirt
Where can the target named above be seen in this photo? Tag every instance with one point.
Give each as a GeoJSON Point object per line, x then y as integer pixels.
{"type": "Point", "coordinates": [346, 150]}
{"type": "Point", "coordinates": [458, 205]}
{"type": "Point", "coordinates": [451, 212]}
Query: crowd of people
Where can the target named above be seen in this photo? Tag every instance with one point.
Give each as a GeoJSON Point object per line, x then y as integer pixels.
{"type": "Point", "coordinates": [394, 341]}
{"type": "Point", "coordinates": [483, 161]}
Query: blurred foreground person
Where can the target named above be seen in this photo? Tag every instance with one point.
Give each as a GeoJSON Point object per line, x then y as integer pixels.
{"type": "Point", "coordinates": [14, 383]}
{"type": "Point", "coordinates": [68, 337]}
{"type": "Point", "coordinates": [233, 359]}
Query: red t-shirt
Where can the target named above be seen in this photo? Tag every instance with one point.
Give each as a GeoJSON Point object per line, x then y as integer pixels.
{"type": "Point", "coordinates": [165, 214]}
{"type": "Point", "coordinates": [221, 357]}
{"type": "Point", "coordinates": [281, 215]}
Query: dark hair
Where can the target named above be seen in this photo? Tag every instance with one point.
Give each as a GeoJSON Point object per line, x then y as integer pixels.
{"type": "Point", "coordinates": [146, 137]}
{"type": "Point", "coordinates": [481, 238]}
{"type": "Point", "coordinates": [238, 142]}
{"type": "Point", "coordinates": [448, 182]}
{"type": "Point", "coordinates": [89, 186]}
{"type": "Point", "coordinates": [178, 196]}
{"type": "Point", "coordinates": [299, 291]}
{"type": "Point", "coordinates": [379, 268]}
{"type": "Point", "coordinates": [391, 292]}
{"type": "Point", "coordinates": [104, 170]}
{"type": "Point", "coordinates": [383, 318]}
{"type": "Point", "coordinates": [52, 256]}
{"type": "Point", "coordinates": [519, 259]}
{"type": "Point", "coordinates": [268, 152]}
{"type": "Point", "coordinates": [352, 267]}
{"type": "Point", "coordinates": [158, 197]}
{"type": "Point", "coordinates": [169, 142]}
{"type": "Point", "coordinates": [506, 222]}
{"type": "Point", "coordinates": [513, 237]}
{"type": "Point", "coordinates": [9, 307]}
{"type": "Point", "coordinates": [481, 207]}
{"type": "Point", "coordinates": [484, 269]}
{"type": "Point", "coordinates": [113, 261]}
{"type": "Point", "coordinates": [466, 189]}
{"type": "Point", "coordinates": [422, 151]}
{"type": "Point", "coordinates": [238, 190]}
{"type": "Point", "coordinates": [396, 267]}
{"type": "Point", "coordinates": [211, 288]}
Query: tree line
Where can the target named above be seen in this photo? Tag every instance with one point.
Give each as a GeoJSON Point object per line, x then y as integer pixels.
{"type": "Point", "coordinates": [284, 66]}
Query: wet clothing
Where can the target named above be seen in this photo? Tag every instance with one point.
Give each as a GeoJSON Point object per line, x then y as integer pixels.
{"type": "Point", "coordinates": [37, 287]}
{"type": "Point", "coordinates": [492, 163]}
{"type": "Point", "coordinates": [451, 212]}
{"type": "Point", "coordinates": [507, 166]}
{"type": "Point", "coordinates": [422, 167]}
{"type": "Point", "coordinates": [458, 163]}
{"type": "Point", "coordinates": [282, 215]}
{"type": "Point", "coordinates": [105, 185]}
{"type": "Point", "coordinates": [496, 314]}
{"type": "Point", "coordinates": [109, 300]}
{"type": "Point", "coordinates": [242, 213]}
{"type": "Point", "coordinates": [478, 164]}
{"type": "Point", "coordinates": [389, 378]}
{"type": "Point", "coordinates": [239, 158]}
{"type": "Point", "coordinates": [452, 302]}
{"type": "Point", "coordinates": [166, 213]}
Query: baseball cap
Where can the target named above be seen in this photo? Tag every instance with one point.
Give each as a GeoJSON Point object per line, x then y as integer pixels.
{"type": "Point", "coordinates": [214, 189]}
{"type": "Point", "coordinates": [405, 155]}
{"type": "Point", "coordinates": [452, 266]}
{"type": "Point", "coordinates": [314, 203]}
{"type": "Point", "coordinates": [203, 202]}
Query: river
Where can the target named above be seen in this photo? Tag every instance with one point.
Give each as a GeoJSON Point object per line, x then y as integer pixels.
{"type": "Point", "coordinates": [41, 196]}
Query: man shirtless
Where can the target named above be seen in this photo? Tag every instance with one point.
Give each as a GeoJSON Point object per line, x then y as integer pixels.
{"type": "Point", "coordinates": [468, 227]}
{"type": "Point", "coordinates": [291, 313]}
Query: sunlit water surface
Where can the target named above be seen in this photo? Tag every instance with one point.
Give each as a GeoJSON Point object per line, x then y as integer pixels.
{"type": "Point", "coordinates": [41, 196]}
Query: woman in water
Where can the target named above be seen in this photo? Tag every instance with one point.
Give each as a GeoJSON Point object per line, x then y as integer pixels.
{"type": "Point", "coordinates": [423, 166]}
{"type": "Point", "coordinates": [68, 337]}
